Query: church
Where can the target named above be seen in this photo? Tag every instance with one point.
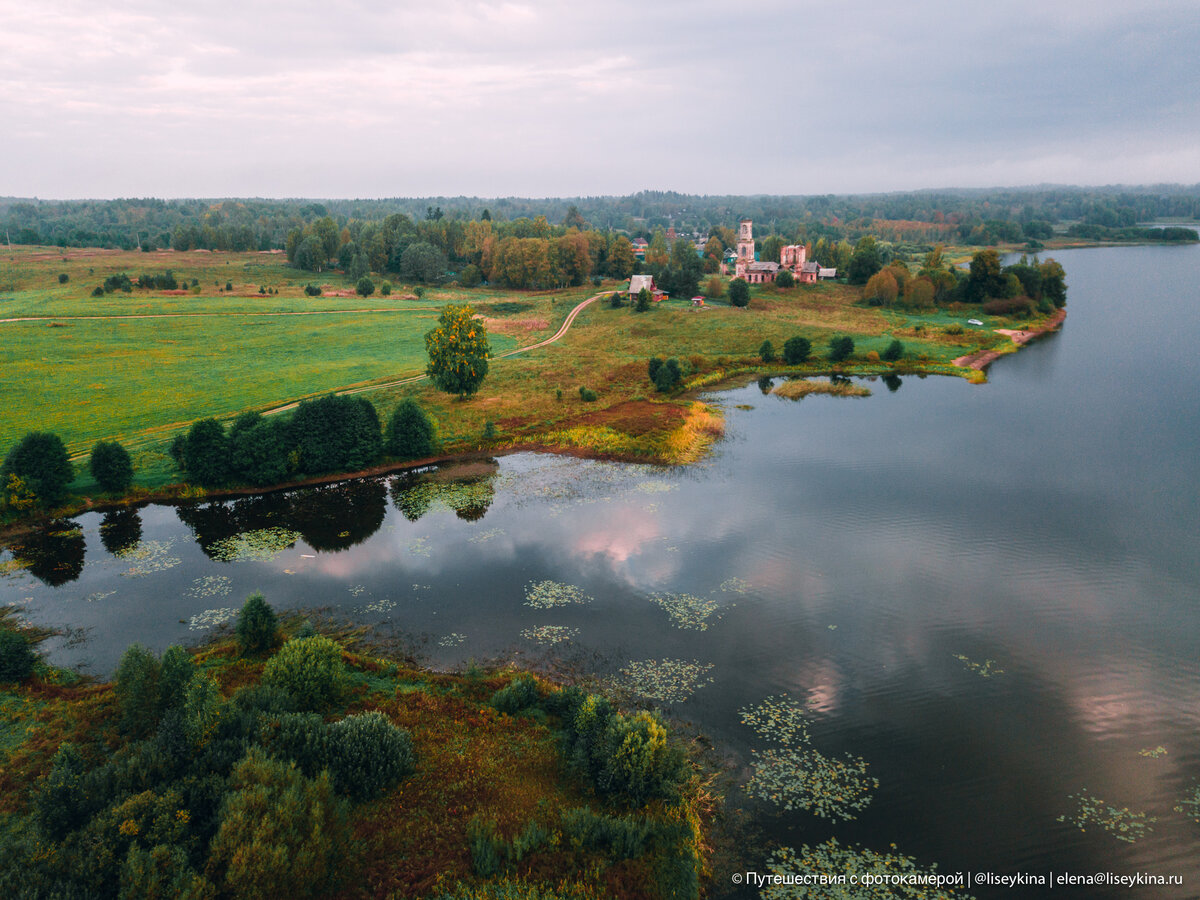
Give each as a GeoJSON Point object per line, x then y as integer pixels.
{"type": "Point", "coordinates": [793, 258]}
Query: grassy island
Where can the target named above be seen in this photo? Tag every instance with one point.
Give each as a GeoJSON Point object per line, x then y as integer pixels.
{"type": "Point", "coordinates": [280, 761]}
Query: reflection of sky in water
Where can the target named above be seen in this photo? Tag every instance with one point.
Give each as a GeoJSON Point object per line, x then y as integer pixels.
{"type": "Point", "coordinates": [1047, 521]}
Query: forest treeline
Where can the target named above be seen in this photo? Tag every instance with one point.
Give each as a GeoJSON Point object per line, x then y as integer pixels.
{"type": "Point", "coordinates": [981, 217]}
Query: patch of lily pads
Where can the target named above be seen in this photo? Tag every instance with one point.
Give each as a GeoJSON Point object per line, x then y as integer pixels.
{"type": "Point", "coordinates": [149, 556]}
{"type": "Point", "coordinates": [798, 776]}
{"type": "Point", "coordinates": [453, 639]}
{"type": "Point", "coordinates": [1189, 804]}
{"type": "Point", "coordinates": [687, 611]}
{"type": "Point", "coordinates": [210, 586]}
{"type": "Point", "coordinates": [778, 718]}
{"type": "Point", "coordinates": [210, 618]}
{"type": "Point", "coordinates": [260, 545]}
{"type": "Point", "coordinates": [665, 680]}
{"type": "Point", "coordinates": [550, 634]}
{"type": "Point", "coordinates": [804, 778]}
{"type": "Point", "coordinates": [985, 669]}
{"type": "Point", "coordinates": [1123, 824]}
{"type": "Point", "coordinates": [551, 594]}
{"type": "Point", "coordinates": [852, 873]}
{"type": "Point", "coordinates": [488, 535]}
{"type": "Point", "coordinates": [735, 586]}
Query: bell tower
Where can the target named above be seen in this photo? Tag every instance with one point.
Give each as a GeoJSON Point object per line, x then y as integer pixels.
{"type": "Point", "coordinates": [745, 244]}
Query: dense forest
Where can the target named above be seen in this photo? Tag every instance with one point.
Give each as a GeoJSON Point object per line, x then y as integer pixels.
{"type": "Point", "coordinates": [978, 216]}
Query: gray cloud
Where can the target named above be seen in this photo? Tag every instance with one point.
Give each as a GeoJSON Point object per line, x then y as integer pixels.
{"type": "Point", "coordinates": [542, 98]}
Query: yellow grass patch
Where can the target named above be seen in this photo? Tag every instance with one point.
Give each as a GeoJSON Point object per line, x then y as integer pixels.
{"type": "Point", "coordinates": [802, 387]}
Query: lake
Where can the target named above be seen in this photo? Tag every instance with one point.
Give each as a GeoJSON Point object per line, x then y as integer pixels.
{"type": "Point", "coordinates": [986, 597]}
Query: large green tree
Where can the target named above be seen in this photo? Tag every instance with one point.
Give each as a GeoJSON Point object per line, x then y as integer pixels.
{"type": "Point", "coordinates": [38, 468]}
{"type": "Point", "coordinates": [458, 351]}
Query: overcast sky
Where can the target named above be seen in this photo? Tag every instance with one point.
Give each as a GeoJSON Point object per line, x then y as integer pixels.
{"type": "Point", "coordinates": [381, 99]}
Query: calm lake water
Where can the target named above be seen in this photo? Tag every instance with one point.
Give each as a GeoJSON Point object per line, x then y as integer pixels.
{"type": "Point", "coordinates": [990, 594]}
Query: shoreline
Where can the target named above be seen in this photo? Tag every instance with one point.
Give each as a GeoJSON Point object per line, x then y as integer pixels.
{"type": "Point", "coordinates": [981, 359]}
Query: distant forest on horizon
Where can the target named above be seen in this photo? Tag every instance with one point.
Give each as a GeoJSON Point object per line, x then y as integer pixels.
{"type": "Point", "coordinates": [973, 216]}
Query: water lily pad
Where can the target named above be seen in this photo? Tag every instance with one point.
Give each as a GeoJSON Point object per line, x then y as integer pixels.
{"type": "Point", "coordinates": [210, 586]}
{"type": "Point", "coordinates": [211, 618]}
{"type": "Point", "coordinates": [1189, 804]}
{"type": "Point", "coordinates": [148, 557]}
{"type": "Point", "coordinates": [260, 545]}
{"type": "Point", "coordinates": [453, 639]}
{"type": "Point", "coordinates": [985, 669]}
{"type": "Point", "coordinates": [550, 634]}
{"type": "Point", "coordinates": [549, 594]}
{"type": "Point", "coordinates": [803, 778]}
{"type": "Point", "coordinates": [778, 718]}
{"type": "Point", "coordinates": [1123, 824]}
{"type": "Point", "coordinates": [665, 680]}
{"type": "Point", "coordinates": [852, 873]}
{"type": "Point", "coordinates": [687, 611]}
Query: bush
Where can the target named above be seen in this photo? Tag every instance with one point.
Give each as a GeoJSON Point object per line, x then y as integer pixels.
{"type": "Point", "coordinates": [302, 738]}
{"type": "Point", "coordinates": [40, 463]}
{"type": "Point", "coordinates": [310, 669]}
{"type": "Point", "coordinates": [175, 673]}
{"type": "Point", "coordinates": [894, 351]}
{"type": "Point", "coordinates": [137, 689]}
{"type": "Point", "coordinates": [410, 432]}
{"type": "Point", "coordinates": [281, 834]}
{"type": "Point", "coordinates": [714, 287]}
{"type": "Point", "coordinates": [796, 350]}
{"type": "Point", "coordinates": [616, 300]}
{"type": "Point", "coordinates": [256, 625]}
{"type": "Point", "coordinates": [470, 276]}
{"type": "Point", "coordinates": [624, 837]}
{"type": "Point", "coordinates": [63, 278]}
{"type": "Point", "coordinates": [739, 293]}
{"type": "Point", "coordinates": [840, 348]}
{"type": "Point", "coordinates": [368, 755]}
{"type": "Point", "coordinates": [16, 656]}
{"type": "Point", "coordinates": [641, 765]}
{"type": "Point", "coordinates": [160, 872]}
{"type": "Point", "coordinates": [312, 290]}
{"type": "Point", "coordinates": [1015, 306]}
{"type": "Point", "coordinates": [111, 467]}
{"type": "Point", "coordinates": [653, 366]}
{"type": "Point", "coordinates": [63, 804]}
{"type": "Point", "coordinates": [365, 287]}
{"type": "Point", "coordinates": [587, 395]}
{"type": "Point", "coordinates": [97, 291]}
{"type": "Point", "coordinates": [229, 285]}
{"type": "Point", "coordinates": [766, 352]}
{"type": "Point", "coordinates": [785, 279]}
{"type": "Point", "coordinates": [520, 693]}
{"type": "Point", "coordinates": [668, 376]}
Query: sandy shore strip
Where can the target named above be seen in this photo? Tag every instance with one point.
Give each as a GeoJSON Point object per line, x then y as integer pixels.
{"type": "Point", "coordinates": [981, 358]}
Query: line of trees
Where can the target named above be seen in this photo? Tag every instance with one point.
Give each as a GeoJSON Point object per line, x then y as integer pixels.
{"type": "Point", "coordinates": [330, 434]}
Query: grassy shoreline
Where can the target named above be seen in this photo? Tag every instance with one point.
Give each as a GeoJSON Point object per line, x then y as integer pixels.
{"type": "Point", "coordinates": [495, 750]}
{"type": "Point", "coordinates": [131, 381]}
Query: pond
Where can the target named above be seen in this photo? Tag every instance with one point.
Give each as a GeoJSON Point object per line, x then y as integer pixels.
{"type": "Point", "coordinates": [973, 611]}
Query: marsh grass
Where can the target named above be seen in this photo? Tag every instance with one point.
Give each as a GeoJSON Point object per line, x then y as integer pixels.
{"type": "Point", "coordinates": [797, 388]}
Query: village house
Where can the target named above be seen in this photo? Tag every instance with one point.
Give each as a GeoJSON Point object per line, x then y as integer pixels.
{"type": "Point", "coordinates": [637, 282]}
{"type": "Point", "coordinates": [640, 246]}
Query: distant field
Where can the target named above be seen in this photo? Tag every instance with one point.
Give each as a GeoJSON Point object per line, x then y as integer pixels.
{"type": "Point", "coordinates": [136, 379]}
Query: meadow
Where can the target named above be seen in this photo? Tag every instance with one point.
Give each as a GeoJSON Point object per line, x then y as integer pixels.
{"type": "Point", "coordinates": [139, 367]}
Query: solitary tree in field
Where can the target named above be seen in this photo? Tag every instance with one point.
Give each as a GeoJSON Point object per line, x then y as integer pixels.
{"type": "Point", "coordinates": [111, 466]}
{"type": "Point", "coordinates": [739, 292]}
{"type": "Point", "coordinates": [458, 351]}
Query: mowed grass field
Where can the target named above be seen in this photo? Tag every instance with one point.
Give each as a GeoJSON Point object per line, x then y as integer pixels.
{"type": "Point", "coordinates": [140, 367]}
{"type": "Point", "coordinates": [88, 368]}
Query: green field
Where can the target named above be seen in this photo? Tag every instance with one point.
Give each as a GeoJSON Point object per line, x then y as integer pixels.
{"type": "Point", "coordinates": [139, 367]}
